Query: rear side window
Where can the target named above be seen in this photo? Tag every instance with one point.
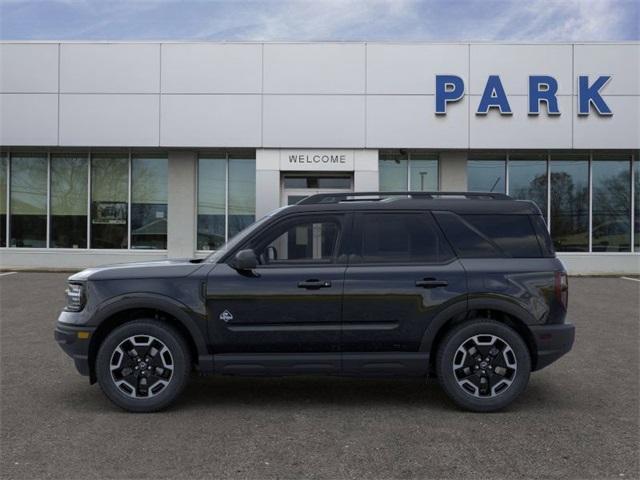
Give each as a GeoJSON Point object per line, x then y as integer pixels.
{"type": "Point", "coordinates": [481, 236]}
{"type": "Point", "coordinates": [401, 238]}
{"type": "Point", "coordinates": [544, 239]}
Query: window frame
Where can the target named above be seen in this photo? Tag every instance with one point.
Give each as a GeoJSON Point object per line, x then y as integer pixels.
{"type": "Point", "coordinates": [355, 253]}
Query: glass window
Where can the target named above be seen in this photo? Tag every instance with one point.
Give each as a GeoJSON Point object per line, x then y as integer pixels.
{"type": "Point", "coordinates": [528, 178]}
{"type": "Point", "coordinates": [149, 195]}
{"type": "Point", "coordinates": [393, 172]}
{"type": "Point", "coordinates": [486, 173]}
{"type": "Point", "coordinates": [342, 182]}
{"type": "Point", "coordinates": [401, 237]}
{"type": "Point", "coordinates": [109, 197]}
{"type": "Point", "coordinates": [570, 203]}
{"type": "Point", "coordinates": [242, 194]}
{"type": "Point", "coordinates": [304, 241]}
{"type": "Point", "coordinates": [467, 241]}
{"type": "Point", "coordinates": [423, 172]}
{"type": "Point", "coordinates": [212, 174]}
{"type": "Point", "coordinates": [28, 201]}
{"type": "Point", "coordinates": [611, 205]}
{"type": "Point", "coordinates": [3, 199]}
{"type": "Point", "coordinates": [513, 234]}
{"type": "Point", "coordinates": [69, 178]}
{"type": "Point", "coordinates": [636, 189]}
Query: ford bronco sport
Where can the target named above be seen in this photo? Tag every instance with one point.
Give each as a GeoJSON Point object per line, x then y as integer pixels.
{"type": "Point", "coordinates": [462, 287]}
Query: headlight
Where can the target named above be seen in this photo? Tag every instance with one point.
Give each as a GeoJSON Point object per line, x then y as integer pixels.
{"type": "Point", "coordinates": [75, 297]}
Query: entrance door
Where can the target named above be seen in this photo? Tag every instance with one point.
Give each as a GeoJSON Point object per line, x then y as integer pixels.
{"type": "Point", "coordinates": [295, 187]}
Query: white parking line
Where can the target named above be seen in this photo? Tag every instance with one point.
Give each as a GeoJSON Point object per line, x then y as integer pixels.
{"type": "Point", "coordinates": [7, 273]}
{"type": "Point", "coordinates": [632, 279]}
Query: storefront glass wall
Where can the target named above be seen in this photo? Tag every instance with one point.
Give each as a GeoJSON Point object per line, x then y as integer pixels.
{"type": "Point", "coordinates": [226, 196]}
{"type": "Point", "coordinates": [585, 196]}
{"type": "Point", "coordinates": [401, 171]}
{"type": "Point", "coordinates": [53, 202]}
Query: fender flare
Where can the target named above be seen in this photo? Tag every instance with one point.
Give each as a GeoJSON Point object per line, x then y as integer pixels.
{"type": "Point", "coordinates": [498, 302]}
{"type": "Point", "coordinates": [182, 313]}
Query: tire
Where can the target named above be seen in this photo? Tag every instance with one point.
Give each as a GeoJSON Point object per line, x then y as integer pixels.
{"type": "Point", "coordinates": [147, 346]}
{"type": "Point", "coordinates": [461, 374]}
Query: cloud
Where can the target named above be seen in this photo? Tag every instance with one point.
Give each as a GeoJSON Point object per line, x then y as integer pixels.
{"type": "Point", "coordinates": [331, 20]}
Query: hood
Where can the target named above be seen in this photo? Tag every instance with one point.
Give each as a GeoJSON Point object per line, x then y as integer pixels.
{"type": "Point", "coordinates": [170, 268]}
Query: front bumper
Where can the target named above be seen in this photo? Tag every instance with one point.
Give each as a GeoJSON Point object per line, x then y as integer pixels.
{"type": "Point", "coordinates": [74, 340]}
{"type": "Point", "coordinates": [552, 342]}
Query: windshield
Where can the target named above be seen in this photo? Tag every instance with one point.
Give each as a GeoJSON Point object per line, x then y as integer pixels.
{"type": "Point", "coordinates": [214, 257]}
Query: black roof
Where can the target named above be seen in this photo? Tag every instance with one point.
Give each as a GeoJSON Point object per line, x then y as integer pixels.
{"type": "Point", "coordinates": [458, 202]}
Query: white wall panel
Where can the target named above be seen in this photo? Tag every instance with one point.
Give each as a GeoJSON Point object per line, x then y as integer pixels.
{"type": "Point", "coordinates": [514, 64]}
{"type": "Point", "coordinates": [412, 69]}
{"type": "Point", "coordinates": [313, 121]}
{"type": "Point", "coordinates": [28, 119]}
{"type": "Point", "coordinates": [621, 130]}
{"type": "Point", "coordinates": [28, 68]}
{"type": "Point", "coordinates": [521, 130]}
{"type": "Point", "coordinates": [109, 120]}
{"type": "Point", "coordinates": [211, 120]}
{"type": "Point", "coordinates": [620, 61]}
{"type": "Point", "coordinates": [314, 68]}
{"type": "Point", "coordinates": [409, 121]}
{"type": "Point", "coordinates": [109, 68]}
{"type": "Point", "coordinates": [211, 68]}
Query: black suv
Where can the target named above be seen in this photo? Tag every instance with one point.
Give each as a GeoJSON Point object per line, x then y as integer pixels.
{"type": "Point", "coordinates": [459, 286]}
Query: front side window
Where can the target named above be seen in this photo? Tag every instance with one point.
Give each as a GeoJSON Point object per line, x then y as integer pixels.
{"type": "Point", "coordinates": [149, 196]}
{"type": "Point", "coordinates": [401, 238]}
{"type": "Point", "coordinates": [611, 205]}
{"type": "Point", "coordinates": [109, 197]}
{"type": "Point", "coordinates": [301, 241]}
{"type": "Point", "coordinates": [28, 222]}
{"type": "Point", "coordinates": [570, 203]}
{"type": "Point", "coordinates": [69, 182]}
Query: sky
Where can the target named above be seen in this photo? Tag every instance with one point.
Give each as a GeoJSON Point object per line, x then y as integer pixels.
{"type": "Point", "coordinates": [321, 20]}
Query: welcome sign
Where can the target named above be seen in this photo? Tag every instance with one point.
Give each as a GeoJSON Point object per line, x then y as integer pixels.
{"type": "Point", "coordinates": [317, 160]}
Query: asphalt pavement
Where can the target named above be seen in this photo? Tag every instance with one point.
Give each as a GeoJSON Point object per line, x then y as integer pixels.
{"type": "Point", "coordinates": [579, 418]}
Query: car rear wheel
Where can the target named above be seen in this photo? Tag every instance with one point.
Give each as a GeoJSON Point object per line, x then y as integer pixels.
{"type": "Point", "coordinates": [483, 365]}
{"type": "Point", "coordinates": [142, 366]}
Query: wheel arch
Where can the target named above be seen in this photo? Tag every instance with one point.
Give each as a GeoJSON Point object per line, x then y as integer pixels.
{"type": "Point", "coordinates": [499, 309]}
{"type": "Point", "coordinates": [122, 310]}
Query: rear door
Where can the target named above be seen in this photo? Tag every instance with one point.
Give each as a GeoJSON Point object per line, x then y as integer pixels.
{"type": "Point", "coordinates": [401, 274]}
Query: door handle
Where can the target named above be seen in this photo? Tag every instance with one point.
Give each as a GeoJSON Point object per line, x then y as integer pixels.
{"type": "Point", "coordinates": [431, 283]}
{"type": "Point", "coordinates": [314, 284]}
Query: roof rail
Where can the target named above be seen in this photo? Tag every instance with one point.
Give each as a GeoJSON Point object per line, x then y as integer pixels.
{"type": "Point", "coordinates": [378, 196]}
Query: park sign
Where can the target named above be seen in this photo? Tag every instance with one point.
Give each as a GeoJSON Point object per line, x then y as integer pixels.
{"type": "Point", "coordinates": [542, 89]}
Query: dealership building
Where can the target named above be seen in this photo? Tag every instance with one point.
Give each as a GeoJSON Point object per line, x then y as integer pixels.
{"type": "Point", "coordinates": [117, 152]}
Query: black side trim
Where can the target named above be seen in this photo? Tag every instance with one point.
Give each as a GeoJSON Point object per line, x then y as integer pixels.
{"type": "Point", "coordinates": [552, 342]}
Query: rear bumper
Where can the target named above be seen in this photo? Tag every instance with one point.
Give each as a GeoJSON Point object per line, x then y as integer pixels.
{"type": "Point", "coordinates": [552, 342]}
{"type": "Point", "coordinates": [74, 345]}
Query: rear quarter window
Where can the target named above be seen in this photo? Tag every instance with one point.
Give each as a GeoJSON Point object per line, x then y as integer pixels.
{"type": "Point", "coordinates": [485, 235]}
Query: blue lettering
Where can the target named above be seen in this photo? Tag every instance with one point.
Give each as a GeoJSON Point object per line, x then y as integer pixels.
{"type": "Point", "coordinates": [449, 88]}
{"type": "Point", "coordinates": [494, 97]}
{"type": "Point", "coordinates": [590, 95]}
{"type": "Point", "coordinates": [538, 94]}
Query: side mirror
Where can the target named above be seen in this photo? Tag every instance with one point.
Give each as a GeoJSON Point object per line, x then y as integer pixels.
{"type": "Point", "coordinates": [245, 260]}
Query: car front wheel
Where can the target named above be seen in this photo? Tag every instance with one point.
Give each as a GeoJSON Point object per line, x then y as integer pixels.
{"type": "Point", "coordinates": [143, 365]}
{"type": "Point", "coordinates": [483, 365]}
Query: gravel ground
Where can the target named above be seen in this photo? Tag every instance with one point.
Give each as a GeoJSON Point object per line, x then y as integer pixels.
{"type": "Point", "coordinates": [578, 418]}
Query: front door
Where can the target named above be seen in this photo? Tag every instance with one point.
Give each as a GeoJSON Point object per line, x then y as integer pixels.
{"type": "Point", "coordinates": [295, 187]}
{"type": "Point", "coordinates": [292, 302]}
{"type": "Point", "coordinates": [401, 274]}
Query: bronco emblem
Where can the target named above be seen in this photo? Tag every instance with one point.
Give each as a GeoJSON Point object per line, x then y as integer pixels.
{"type": "Point", "coordinates": [226, 316]}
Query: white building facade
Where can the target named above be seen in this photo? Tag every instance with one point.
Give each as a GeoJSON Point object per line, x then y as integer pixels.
{"type": "Point", "coordinates": [115, 152]}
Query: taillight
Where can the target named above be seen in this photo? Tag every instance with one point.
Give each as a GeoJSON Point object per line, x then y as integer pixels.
{"type": "Point", "coordinates": [562, 288]}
